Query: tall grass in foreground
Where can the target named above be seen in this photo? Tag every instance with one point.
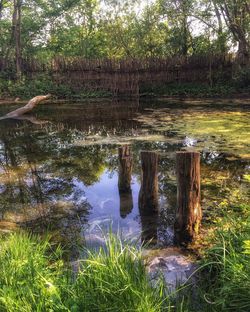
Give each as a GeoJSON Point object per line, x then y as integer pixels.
{"type": "Point", "coordinates": [31, 277]}
{"type": "Point", "coordinates": [228, 266]}
{"type": "Point", "coordinates": [116, 280]}
{"type": "Point", "coordinates": [34, 278]}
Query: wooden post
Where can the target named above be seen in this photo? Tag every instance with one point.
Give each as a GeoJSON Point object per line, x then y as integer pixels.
{"type": "Point", "coordinates": [124, 180]}
{"type": "Point", "coordinates": [125, 168]}
{"type": "Point", "coordinates": [148, 196]}
{"type": "Point", "coordinates": [189, 214]}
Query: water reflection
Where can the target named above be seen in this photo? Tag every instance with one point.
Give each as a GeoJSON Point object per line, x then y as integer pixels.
{"type": "Point", "coordinates": [62, 176]}
{"type": "Point", "coordinates": [126, 203]}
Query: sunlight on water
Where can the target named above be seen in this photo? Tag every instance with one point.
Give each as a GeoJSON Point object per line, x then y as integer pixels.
{"type": "Point", "coordinates": [62, 176]}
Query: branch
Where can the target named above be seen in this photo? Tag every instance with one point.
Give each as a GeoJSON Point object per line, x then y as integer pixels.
{"type": "Point", "coordinates": [28, 107]}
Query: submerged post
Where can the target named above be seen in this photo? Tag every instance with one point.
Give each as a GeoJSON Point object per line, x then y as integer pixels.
{"type": "Point", "coordinates": [148, 197]}
{"type": "Point", "coordinates": [189, 214]}
{"type": "Point", "coordinates": [125, 168]}
{"type": "Point", "coordinates": [124, 180]}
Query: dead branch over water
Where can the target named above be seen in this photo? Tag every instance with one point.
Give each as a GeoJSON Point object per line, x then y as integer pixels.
{"type": "Point", "coordinates": [28, 107]}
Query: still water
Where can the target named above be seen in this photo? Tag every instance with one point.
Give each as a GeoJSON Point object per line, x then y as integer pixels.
{"type": "Point", "coordinates": [59, 167]}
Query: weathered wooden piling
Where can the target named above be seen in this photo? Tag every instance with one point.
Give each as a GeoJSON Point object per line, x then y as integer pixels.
{"type": "Point", "coordinates": [125, 168]}
{"type": "Point", "coordinates": [124, 180]}
{"type": "Point", "coordinates": [148, 197]}
{"type": "Point", "coordinates": [188, 214]}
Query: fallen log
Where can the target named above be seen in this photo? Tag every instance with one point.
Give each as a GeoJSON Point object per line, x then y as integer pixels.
{"type": "Point", "coordinates": [28, 107]}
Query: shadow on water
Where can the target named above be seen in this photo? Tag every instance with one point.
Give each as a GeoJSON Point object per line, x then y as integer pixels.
{"type": "Point", "coordinates": [62, 176]}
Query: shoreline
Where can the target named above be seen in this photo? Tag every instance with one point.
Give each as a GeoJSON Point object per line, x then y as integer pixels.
{"type": "Point", "coordinates": [242, 98]}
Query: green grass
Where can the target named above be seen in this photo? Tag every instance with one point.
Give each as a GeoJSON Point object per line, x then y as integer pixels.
{"type": "Point", "coordinates": [31, 276]}
{"type": "Point", "coordinates": [227, 265]}
{"type": "Point", "coordinates": [43, 84]}
{"type": "Point", "coordinates": [34, 278]}
{"type": "Point", "coordinates": [115, 280]}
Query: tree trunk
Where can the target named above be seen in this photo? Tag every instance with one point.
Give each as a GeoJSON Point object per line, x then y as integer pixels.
{"type": "Point", "coordinates": [243, 53]}
{"type": "Point", "coordinates": [16, 30]}
{"type": "Point", "coordinates": [236, 18]}
{"type": "Point", "coordinates": [1, 9]}
{"type": "Point", "coordinates": [28, 107]}
{"type": "Point", "coordinates": [18, 42]}
{"type": "Point", "coordinates": [221, 37]}
{"type": "Point", "coordinates": [189, 214]}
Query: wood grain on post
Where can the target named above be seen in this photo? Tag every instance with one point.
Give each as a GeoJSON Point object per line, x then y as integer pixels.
{"type": "Point", "coordinates": [148, 196]}
{"type": "Point", "coordinates": [125, 168]}
{"type": "Point", "coordinates": [124, 180]}
{"type": "Point", "coordinates": [189, 214]}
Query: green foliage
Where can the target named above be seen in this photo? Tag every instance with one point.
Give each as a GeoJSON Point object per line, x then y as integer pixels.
{"type": "Point", "coordinates": [242, 77]}
{"type": "Point", "coordinates": [190, 90]}
{"type": "Point", "coordinates": [227, 264]}
{"type": "Point", "coordinates": [119, 29]}
{"type": "Point", "coordinates": [28, 88]}
{"type": "Point", "coordinates": [96, 28]}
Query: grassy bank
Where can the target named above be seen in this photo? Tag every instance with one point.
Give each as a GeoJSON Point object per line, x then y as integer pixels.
{"type": "Point", "coordinates": [34, 278]}
{"type": "Point", "coordinates": [197, 90]}
{"type": "Point", "coordinates": [225, 282]}
{"type": "Point", "coordinates": [27, 88]}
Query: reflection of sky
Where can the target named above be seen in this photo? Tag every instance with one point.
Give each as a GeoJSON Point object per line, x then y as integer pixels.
{"type": "Point", "coordinates": [104, 199]}
{"type": "Point", "coordinates": [62, 194]}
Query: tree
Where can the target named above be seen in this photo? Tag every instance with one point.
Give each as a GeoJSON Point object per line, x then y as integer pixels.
{"type": "Point", "coordinates": [177, 13]}
{"type": "Point", "coordinates": [236, 14]}
{"type": "Point", "coordinates": [16, 36]}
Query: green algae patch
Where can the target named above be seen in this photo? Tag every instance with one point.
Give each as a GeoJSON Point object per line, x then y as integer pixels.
{"type": "Point", "coordinates": [217, 130]}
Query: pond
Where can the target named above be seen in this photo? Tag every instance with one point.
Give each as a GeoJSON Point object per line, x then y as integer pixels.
{"type": "Point", "coordinates": [59, 167]}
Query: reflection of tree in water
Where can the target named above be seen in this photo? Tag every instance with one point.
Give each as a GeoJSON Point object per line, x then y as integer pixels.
{"type": "Point", "coordinates": [107, 117]}
{"type": "Point", "coordinates": [40, 177]}
{"type": "Point", "coordinates": [41, 169]}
